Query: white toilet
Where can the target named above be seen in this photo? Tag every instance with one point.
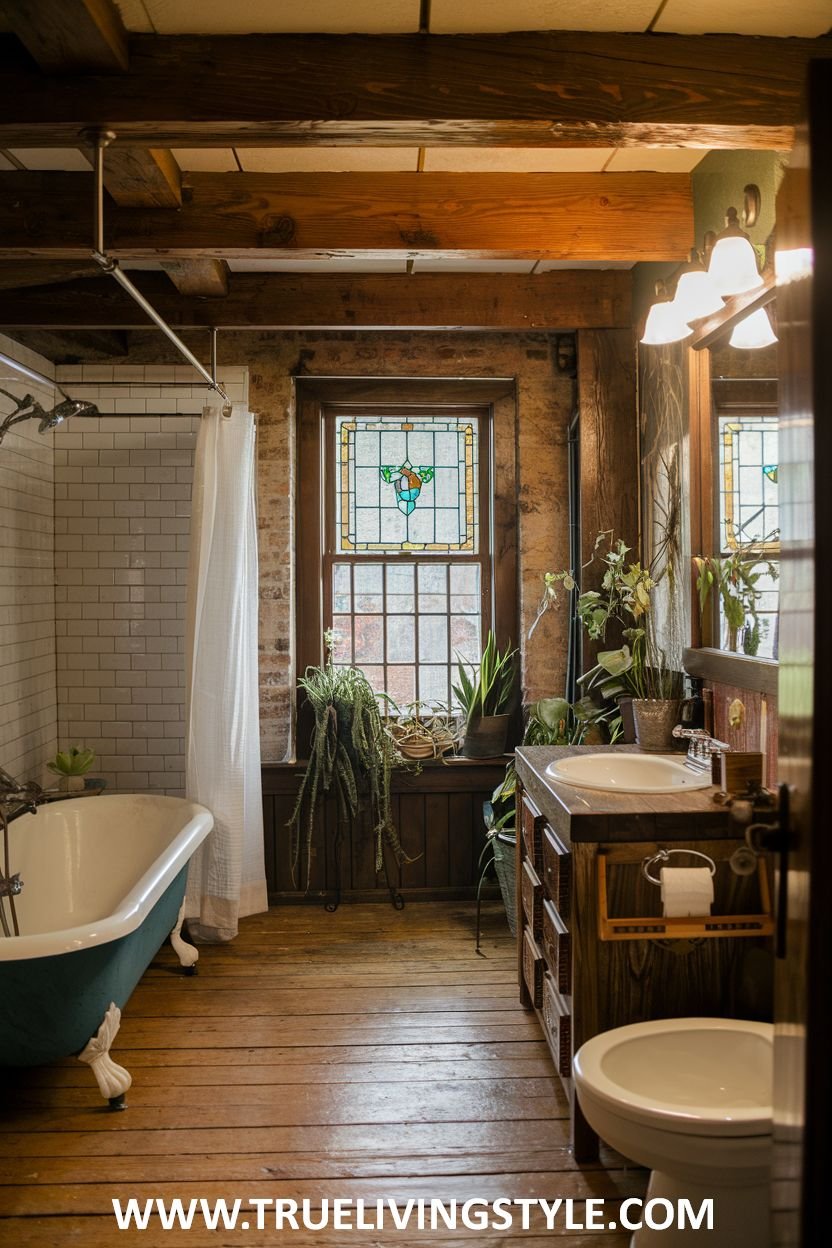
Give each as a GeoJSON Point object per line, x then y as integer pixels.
{"type": "Point", "coordinates": [692, 1099]}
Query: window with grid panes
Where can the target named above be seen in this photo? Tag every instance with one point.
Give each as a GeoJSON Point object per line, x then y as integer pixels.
{"type": "Point", "coordinates": [747, 465]}
{"type": "Point", "coordinates": [406, 568]}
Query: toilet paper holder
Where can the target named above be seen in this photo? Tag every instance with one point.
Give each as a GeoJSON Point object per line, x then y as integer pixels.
{"type": "Point", "coordinates": [662, 857]}
{"type": "Point", "coordinates": [655, 927]}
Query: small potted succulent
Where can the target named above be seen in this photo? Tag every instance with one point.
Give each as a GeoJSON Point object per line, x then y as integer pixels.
{"type": "Point", "coordinates": [70, 766]}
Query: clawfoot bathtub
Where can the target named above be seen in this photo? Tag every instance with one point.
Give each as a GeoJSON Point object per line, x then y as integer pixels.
{"type": "Point", "coordinates": [103, 885]}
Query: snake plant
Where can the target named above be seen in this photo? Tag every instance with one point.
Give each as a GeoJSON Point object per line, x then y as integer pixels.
{"type": "Point", "coordinates": [488, 690]}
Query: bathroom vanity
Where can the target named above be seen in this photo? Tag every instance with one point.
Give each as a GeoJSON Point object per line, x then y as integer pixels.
{"type": "Point", "coordinates": [594, 951]}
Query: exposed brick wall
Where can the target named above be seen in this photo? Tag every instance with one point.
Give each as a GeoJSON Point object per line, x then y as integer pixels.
{"type": "Point", "coordinates": [538, 428]}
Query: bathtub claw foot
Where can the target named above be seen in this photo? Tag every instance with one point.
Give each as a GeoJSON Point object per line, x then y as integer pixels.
{"type": "Point", "coordinates": [185, 952]}
{"type": "Point", "coordinates": [113, 1080]}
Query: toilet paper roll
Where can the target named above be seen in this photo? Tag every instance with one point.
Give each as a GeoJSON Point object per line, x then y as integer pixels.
{"type": "Point", "coordinates": [686, 891]}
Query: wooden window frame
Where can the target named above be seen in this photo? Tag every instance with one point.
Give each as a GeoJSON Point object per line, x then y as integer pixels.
{"type": "Point", "coordinates": [318, 399]}
{"type": "Point", "coordinates": [704, 657]}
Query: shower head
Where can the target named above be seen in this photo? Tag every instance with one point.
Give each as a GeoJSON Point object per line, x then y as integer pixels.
{"type": "Point", "coordinates": [62, 411]}
{"type": "Point", "coordinates": [28, 408]}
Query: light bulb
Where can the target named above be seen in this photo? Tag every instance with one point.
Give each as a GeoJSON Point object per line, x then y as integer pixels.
{"type": "Point", "coordinates": [664, 325]}
{"type": "Point", "coordinates": [696, 296]}
{"type": "Point", "coordinates": [753, 331]}
{"type": "Point", "coordinates": [733, 268]}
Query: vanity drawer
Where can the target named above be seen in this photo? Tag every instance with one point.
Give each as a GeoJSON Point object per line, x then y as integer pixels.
{"type": "Point", "coordinates": [557, 873]}
{"type": "Point", "coordinates": [532, 823]}
{"type": "Point", "coordinates": [531, 891]}
{"type": "Point", "coordinates": [533, 968]}
{"type": "Point", "coordinates": [558, 1023]}
{"type": "Point", "coordinates": [557, 948]}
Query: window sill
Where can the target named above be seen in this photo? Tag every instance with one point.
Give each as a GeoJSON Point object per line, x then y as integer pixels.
{"type": "Point", "coordinates": [740, 670]}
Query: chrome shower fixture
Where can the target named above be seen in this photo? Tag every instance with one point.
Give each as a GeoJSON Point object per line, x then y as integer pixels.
{"type": "Point", "coordinates": [28, 408]}
{"type": "Point", "coordinates": [63, 411]}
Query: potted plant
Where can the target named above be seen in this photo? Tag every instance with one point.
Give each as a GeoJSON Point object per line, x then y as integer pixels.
{"type": "Point", "coordinates": [550, 721]}
{"type": "Point", "coordinates": [485, 697]}
{"type": "Point", "coordinates": [352, 755]}
{"type": "Point", "coordinates": [423, 731]}
{"type": "Point", "coordinates": [501, 845]}
{"type": "Point", "coordinates": [639, 668]}
{"type": "Point", "coordinates": [70, 766]}
{"type": "Point", "coordinates": [734, 578]}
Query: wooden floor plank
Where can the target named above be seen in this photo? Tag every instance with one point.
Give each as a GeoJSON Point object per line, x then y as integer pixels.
{"type": "Point", "coordinates": [471, 1053]}
{"type": "Point", "coordinates": [96, 1198]}
{"type": "Point", "coordinates": [97, 1232]}
{"type": "Point", "coordinates": [315, 1030]}
{"type": "Point", "coordinates": [162, 1002]}
{"type": "Point", "coordinates": [44, 1082]}
{"type": "Point", "coordinates": [369, 1054]}
{"type": "Point", "coordinates": [374, 1139]}
{"type": "Point", "coordinates": [228, 1167]}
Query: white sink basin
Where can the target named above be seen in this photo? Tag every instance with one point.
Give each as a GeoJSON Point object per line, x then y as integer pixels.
{"type": "Point", "coordinates": [627, 773]}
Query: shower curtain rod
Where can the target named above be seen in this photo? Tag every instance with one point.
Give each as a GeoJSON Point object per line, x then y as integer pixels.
{"type": "Point", "coordinates": [101, 139]}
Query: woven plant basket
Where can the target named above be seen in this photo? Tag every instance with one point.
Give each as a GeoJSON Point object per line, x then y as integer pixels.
{"type": "Point", "coordinates": [505, 846]}
{"type": "Point", "coordinates": [420, 746]}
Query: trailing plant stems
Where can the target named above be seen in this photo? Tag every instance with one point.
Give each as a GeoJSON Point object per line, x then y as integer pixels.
{"type": "Point", "coordinates": [350, 749]}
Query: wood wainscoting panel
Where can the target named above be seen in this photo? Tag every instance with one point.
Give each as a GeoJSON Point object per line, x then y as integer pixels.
{"type": "Point", "coordinates": [438, 816]}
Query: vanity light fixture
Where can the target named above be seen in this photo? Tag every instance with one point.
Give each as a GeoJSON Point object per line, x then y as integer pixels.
{"type": "Point", "coordinates": [664, 324]}
{"type": "Point", "coordinates": [753, 332]}
{"type": "Point", "coordinates": [696, 296]}
{"type": "Point", "coordinates": [733, 266]}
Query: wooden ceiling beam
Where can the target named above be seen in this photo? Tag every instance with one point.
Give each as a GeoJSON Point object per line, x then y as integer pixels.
{"type": "Point", "coordinates": [15, 276]}
{"type": "Point", "coordinates": [577, 299]}
{"type": "Point", "coordinates": [143, 177]}
{"type": "Point", "coordinates": [576, 217]}
{"type": "Point", "coordinates": [73, 346]}
{"type": "Point", "coordinates": [535, 89]}
{"type": "Point", "coordinates": [68, 36]}
{"type": "Point", "coordinates": [204, 279]}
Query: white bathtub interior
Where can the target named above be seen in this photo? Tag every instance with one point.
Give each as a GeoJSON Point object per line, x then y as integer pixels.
{"type": "Point", "coordinates": [90, 861]}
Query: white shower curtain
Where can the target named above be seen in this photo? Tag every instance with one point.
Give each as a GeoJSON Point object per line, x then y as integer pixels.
{"type": "Point", "coordinates": [226, 879]}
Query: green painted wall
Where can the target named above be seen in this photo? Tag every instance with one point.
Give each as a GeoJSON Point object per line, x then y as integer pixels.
{"type": "Point", "coordinates": [718, 183]}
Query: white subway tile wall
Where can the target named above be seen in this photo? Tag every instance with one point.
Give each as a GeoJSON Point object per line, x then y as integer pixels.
{"type": "Point", "coordinates": [122, 518]}
{"type": "Point", "coordinates": [28, 709]}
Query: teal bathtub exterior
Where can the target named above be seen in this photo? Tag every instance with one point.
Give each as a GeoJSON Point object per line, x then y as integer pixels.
{"type": "Point", "coordinates": [51, 1006]}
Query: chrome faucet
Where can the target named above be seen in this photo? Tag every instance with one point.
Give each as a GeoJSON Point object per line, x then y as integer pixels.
{"type": "Point", "coordinates": [15, 797]}
{"type": "Point", "coordinates": [701, 747]}
{"type": "Point", "coordinates": [25, 795]}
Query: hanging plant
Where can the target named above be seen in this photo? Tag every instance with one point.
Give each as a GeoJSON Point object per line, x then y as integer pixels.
{"type": "Point", "coordinates": [351, 755]}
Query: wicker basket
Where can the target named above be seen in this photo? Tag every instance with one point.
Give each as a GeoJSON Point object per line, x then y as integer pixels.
{"type": "Point", "coordinates": [505, 847]}
{"type": "Point", "coordinates": [420, 746]}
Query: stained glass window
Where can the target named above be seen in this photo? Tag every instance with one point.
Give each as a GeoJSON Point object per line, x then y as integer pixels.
{"type": "Point", "coordinates": [407, 484]}
{"type": "Point", "coordinates": [748, 460]}
{"type": "Point", "coordinates": [748, 505]}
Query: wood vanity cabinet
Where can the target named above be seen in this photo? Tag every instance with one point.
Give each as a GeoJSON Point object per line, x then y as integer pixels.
{"type": "Point", "coordinates": [579, 984]}
{"type": "Point", "coordinates": [544, 903]}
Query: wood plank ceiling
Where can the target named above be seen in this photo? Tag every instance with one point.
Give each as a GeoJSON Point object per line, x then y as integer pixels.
{"type": "Point", "coordinates": [406, 138]}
